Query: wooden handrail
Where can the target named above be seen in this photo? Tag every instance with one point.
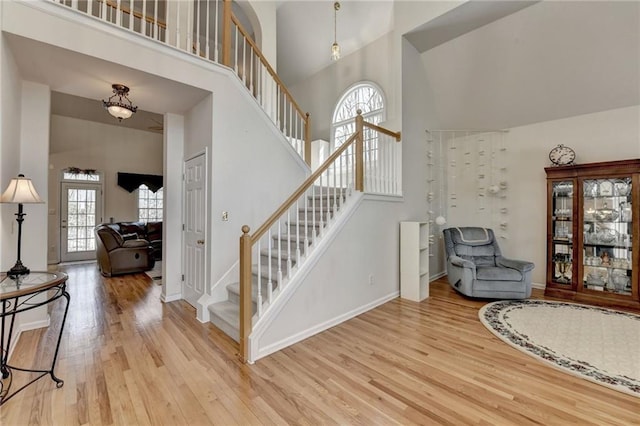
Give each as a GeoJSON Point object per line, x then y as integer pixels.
{"type": "Point", "coordinates": [383, 130]}
{"type": "Point", "coordinates": [247, 241]}
{"type": "Point", "coordinates": [138, 15]}
{"type": "Point", "coordinates": [268, 66]}
{"type": "Point", "coordinates": [301, 189]}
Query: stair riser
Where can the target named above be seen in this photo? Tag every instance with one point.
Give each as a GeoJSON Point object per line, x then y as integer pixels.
{"type": "Point", "coordinates": [324, 202]}
{"type": "Point", "coordinates": [310, 222]}
{"type": "Point", "coordinates": [234, 297]}
{"type": "Point", "coordinates": [320, 216]}
{"type": "Point", "coordinates": [285, 245]}
{"type": "Point", "coordinates": [264, 261]}
{"type": "Point", "coordinates": [301, 230]}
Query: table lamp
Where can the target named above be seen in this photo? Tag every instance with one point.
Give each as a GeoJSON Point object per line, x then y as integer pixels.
{"type": "Point", "coordinates": [20, 191]}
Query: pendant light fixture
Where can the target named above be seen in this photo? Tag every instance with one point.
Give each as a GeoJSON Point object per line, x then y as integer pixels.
{"type": "Point", "coordinates": [335, 47]}
{"type": "Point", "coordinates": [119, 105]}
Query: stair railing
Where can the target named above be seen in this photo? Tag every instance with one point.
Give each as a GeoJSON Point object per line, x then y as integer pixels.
{"type": "Point", "coordinates": [285, 240]}
{"type": "Point", "coordinates": [256, 73]}
{"type": "Point", "coordinates": [210, 30]}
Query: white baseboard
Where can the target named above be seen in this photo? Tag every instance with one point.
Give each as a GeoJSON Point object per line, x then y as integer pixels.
{"type": "Point", "coordinates": [539, 286]}
{"type": "Point", "coordinates": [26, 327]}
{"type": "Point", "coordinates": [267, 350]}
{"type": "Point", "coordinates": [170, 298]}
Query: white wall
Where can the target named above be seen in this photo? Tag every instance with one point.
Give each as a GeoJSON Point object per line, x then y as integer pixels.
{"type": "Point", "coordinates": [173, 146]}
{"type": "Point", "coordinates": [250, 159]}
{"type": "Point", "coordinates": [338, 287]}
{"type": "Point", "coordinates": [320, 93]}
{"type": "Point", "coordinates": [254, 168]}
{"type": "Point", "coordinates": [108, 149]}
{"type": "Point", "coordinates": [550, 60]}
{"type": "Point", "coordinates": [11, 104]}
{"type": "Point", "coordinates": [603, 136]}
{"type": "Point", "coordinates": [265, 12]}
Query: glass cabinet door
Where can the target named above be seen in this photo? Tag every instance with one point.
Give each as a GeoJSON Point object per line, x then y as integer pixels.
{"type": "Point", "coordinates": [607, 254]}
{"type": "Point", "coordinates": [562, 230]}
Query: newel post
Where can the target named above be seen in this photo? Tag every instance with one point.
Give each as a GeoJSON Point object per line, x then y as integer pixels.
{"type": "Point", "coordinates": [245, 293]}
{"type": "Point", "coordinates": [226, 33]}
{"type": "Point", "coordinates": [307, 141]}
{"type": "Point", "coordinates": [359, 152]}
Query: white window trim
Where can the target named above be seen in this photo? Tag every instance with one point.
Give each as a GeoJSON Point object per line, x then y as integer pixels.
{"type": "Point", "coordinates": [343, 97]}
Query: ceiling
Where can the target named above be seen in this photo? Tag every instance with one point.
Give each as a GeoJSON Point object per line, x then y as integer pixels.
{"type": "Point", "coordinates": [79, 83]}
{"type": "Point", "coordinates": [306, 29]}
{"type": "Point", "coordinates": [305, 32]}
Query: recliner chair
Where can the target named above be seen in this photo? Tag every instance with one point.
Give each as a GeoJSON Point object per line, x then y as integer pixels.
{"type": "Point", "coordinates": [476, 268]}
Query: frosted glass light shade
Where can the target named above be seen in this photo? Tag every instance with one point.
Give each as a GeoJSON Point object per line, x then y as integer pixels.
{"type": "Point", "coordinates": [121, 113]}
{"type": "Point", "coordinates": [335, 51]}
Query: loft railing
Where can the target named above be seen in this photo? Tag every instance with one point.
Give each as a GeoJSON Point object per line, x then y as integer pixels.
{"type": "Point", "coordinates": [366, 162]}
{"type": "Point", "coordinates": [210, 30]}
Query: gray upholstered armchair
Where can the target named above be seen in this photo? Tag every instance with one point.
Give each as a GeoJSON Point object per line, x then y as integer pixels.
{"type": "Point", "coordinates": [476, 268]}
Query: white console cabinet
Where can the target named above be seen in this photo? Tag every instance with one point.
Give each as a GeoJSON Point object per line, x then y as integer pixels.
{"type": "Point", "coordinates": [414, 260]}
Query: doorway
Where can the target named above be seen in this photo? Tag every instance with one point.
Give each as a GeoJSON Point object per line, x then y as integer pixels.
{"type": "Point", "coordinates": [195, 214]}
{"type": "Point", "coordinates": [80, 211]}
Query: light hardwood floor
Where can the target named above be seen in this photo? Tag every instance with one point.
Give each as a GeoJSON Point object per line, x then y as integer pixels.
{"type": "Point", "coordinates": [128, 359]}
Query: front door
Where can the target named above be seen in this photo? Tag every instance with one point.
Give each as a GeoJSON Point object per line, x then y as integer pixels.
{"type": "Point", "coordinates": [194, 229]}
{"type": "Point", "coordinates": [80, 212]}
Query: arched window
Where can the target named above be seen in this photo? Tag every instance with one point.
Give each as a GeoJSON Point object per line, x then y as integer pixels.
{"type": "Point", "coordinates": [365, 96]}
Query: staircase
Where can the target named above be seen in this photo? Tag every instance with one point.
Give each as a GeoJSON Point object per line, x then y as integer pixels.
{"type": "Point", "coordinates": [280, 259]}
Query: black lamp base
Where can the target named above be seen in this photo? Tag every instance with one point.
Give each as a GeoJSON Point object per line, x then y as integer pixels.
{"type": "Point", "coordinates": [18, 269]}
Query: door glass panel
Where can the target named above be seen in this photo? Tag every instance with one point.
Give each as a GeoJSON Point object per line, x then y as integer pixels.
{"type": "Point", "coordinates": [80, 219]}
{"type": "Point", "coordinates": [607, 235]}
{"type": "Point", "coordinates": [562, 228]}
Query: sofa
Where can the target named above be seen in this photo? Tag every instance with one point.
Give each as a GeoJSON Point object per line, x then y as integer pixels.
{"type": "Point", "coordinates": [128, 247]}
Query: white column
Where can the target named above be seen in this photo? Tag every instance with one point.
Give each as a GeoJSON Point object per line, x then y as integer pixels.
{"type": "Point", "coordinates": [173, 201]}
{"type": "Point", "coordinates": [34, 159]}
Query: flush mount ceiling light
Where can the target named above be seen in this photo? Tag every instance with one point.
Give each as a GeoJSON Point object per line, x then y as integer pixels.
{"type": "Point", "coordinates": [335, 47]}
{"type": "Point", "coordinates": [119, 105]}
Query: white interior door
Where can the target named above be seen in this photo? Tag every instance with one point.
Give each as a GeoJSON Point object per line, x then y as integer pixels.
{"type": "Point", "coordinates": [194, 229]}
{"type": "Point", "coordinates": [80, 211]}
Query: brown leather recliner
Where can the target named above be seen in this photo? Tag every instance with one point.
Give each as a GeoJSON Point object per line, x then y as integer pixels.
{"type": "Point", "coordinates": [119, 253]}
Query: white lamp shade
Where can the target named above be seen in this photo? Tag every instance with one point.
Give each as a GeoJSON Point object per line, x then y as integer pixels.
{"type": "Point", "coordinates": [20, 191]}
{"type": "Point", "coordinates": [119, 112]}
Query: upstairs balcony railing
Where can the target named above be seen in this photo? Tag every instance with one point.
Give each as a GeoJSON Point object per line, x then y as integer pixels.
{"type": "Point", "coordinates": [210, 30]}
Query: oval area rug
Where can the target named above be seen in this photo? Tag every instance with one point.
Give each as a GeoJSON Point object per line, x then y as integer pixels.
{"type": "Point", "coordinates": [598, 344]}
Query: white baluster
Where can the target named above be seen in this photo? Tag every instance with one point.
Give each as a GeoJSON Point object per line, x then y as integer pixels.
{"type": "Point", "coordinates": [322, 218]}
{"type": "Point", "coordinates": [235, 65]}
{"type": "Point", "coordinates": [259, 297]}
{"type": "Point", "coordinates": [251, 66]}
{"type": "Point", "coordinates": [279, 279]}
{"type": "Point", "coordinates": [143, 24]}
{"type": "Point", "coordinates": [269, 272]}
{"type": "Point", "coordinates": [119, 12]}
{"type": "Point", "coordinates": [313, 209]}
{"type": "Point", "coordinates": [215, 31]}
{"type": "Point", "coordinates": [178, 7]}
{"type": "Point", "coordinates": [244, 60]}
{"type": "Point", "coordinates": [289, 242]}
{"type": "Point", "coordinates": [298, 239]}
{"type": "Point", "coordinates": [197, 6]}
{"type": "Point", "coordinates": [156, 26]}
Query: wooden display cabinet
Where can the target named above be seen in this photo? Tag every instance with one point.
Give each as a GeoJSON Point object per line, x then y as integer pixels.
{"type": "Point", "coordinates": [593, 232]}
